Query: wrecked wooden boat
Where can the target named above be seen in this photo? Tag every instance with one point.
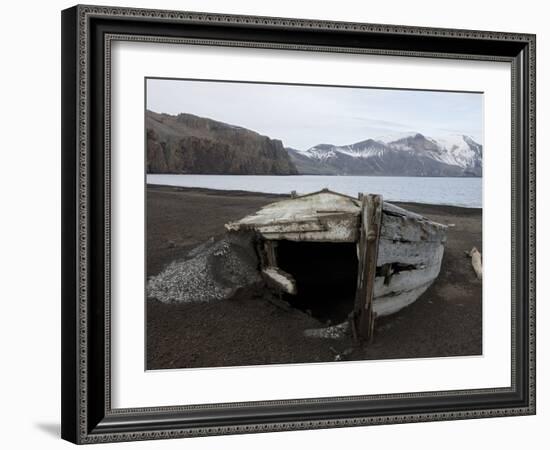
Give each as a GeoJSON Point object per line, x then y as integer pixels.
{"type": "Point", "coordinates": [383, 255]}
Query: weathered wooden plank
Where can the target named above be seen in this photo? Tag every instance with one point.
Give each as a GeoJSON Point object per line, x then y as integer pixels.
{"type": "Point", "coordinates": [389, 304]}
{"type": "Point", "coordinates": [249, 224]}
{"type": "Point", "coordinates": [371, 221]}
{"type": "Point", "coordinates": [296, 209]}
{"type": "Point", "coordinates": [390, 208]}
{"type": "Point", "coordinates": [270, 252]}
{"type": "Point", "coordinates": [404, 228]}
{"type": "Point", "coordinates": [405, 280]}
{"type": "Point", "coordinates": [297, 227]}
{"type": "Point", "coordinates": [280, 280]}
{"type": "Point", "coordinates": [413, 253]}
{"type": "Point", "coordinates": [340, 229]}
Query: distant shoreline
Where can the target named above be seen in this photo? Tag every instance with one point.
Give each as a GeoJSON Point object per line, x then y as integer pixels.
{"type": "Point", "coordinates": [238, 192]}
{"type": "Point", "coordinates": [314, 175]}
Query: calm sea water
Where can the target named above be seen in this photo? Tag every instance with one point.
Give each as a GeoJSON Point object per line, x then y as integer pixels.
{"type": "Point", "coordinates": [441, 191]}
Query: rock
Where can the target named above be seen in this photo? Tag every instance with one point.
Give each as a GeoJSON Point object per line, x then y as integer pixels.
{"type": "Point", "coordinates": [333, 332]}
{"type": "Point", "coordinates": [213, 271]}
{"type": "Point", "coordinates": [190, 144]}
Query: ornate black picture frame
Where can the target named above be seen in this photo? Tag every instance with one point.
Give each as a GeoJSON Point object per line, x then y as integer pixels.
{"type": "Point", "coordinates": [87, 34]}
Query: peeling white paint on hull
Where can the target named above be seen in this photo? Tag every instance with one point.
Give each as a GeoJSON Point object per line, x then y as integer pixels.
{"type": "Point", "coordinates": [410, 247]}
{"type": "Point", "coordinates": [405, 280]}
{"type": "Point", "coordinates": [413, 253]}
{"type": "Point", "coordinates": [390, 304]}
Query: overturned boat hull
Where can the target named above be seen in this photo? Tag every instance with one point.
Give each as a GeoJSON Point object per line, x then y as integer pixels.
{"type": "Point", "coordinates": [410, 252]}
{"type": "Point", "coordinates": [399, 252]}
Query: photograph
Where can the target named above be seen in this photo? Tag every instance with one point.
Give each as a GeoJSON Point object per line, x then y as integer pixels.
{"type": "Point", "coordinates": [273, 222]}
{"type": "Point", "coordinates": [301, 223]}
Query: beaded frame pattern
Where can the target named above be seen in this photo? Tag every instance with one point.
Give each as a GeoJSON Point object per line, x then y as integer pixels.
{"type": "Point", "coordinates": [87, 12]}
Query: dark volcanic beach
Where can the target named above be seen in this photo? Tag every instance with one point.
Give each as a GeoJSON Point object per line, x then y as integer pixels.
{"type": "Point", "coordinates": [249, 329]}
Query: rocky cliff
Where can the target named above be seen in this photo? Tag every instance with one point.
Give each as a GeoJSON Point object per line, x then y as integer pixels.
{"type": "Point", "coordinates": [188, 144]}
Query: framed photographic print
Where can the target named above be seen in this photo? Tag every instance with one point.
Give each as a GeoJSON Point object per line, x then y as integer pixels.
{"type": "Point", "coordinates": [280, 224]}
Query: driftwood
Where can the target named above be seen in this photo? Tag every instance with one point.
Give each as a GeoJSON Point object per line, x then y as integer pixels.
{"type": "Point", "coordinates": [476, 261]}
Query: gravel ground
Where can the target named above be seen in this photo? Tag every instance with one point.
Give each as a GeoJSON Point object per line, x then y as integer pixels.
{"type": "Point", "coordinates": [253, 327]}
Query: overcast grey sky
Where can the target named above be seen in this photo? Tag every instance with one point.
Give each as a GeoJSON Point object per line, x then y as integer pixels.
{"type": "Point", "coordinates": [304, 116]}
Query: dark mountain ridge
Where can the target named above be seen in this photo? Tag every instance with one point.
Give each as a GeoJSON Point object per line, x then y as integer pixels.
{"type": "Point", "coordinates": [196, 145]}
{"type": "Point", "coordinates": [189, 144]}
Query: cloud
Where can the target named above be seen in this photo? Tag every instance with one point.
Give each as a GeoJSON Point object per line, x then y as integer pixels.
{"type": "Point", "coordinates": [303, 116]}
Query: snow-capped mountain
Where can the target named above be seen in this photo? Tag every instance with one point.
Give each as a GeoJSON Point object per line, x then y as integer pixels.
{"type": "Point", "coordinates": [411, 154]}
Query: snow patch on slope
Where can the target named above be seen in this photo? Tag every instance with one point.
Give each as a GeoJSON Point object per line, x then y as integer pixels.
{"type": "Point", "coordinates": [453, 149]}
{"type": "Point", "coordinates": [457, 150]}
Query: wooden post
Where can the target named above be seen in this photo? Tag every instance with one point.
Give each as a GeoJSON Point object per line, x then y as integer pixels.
{"type": "Point", "coordinates": [269, 248]}
{"type": "Point", "coordinates": [369, 237]}
{"type": "Point", "coordinates": [266, 250]}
